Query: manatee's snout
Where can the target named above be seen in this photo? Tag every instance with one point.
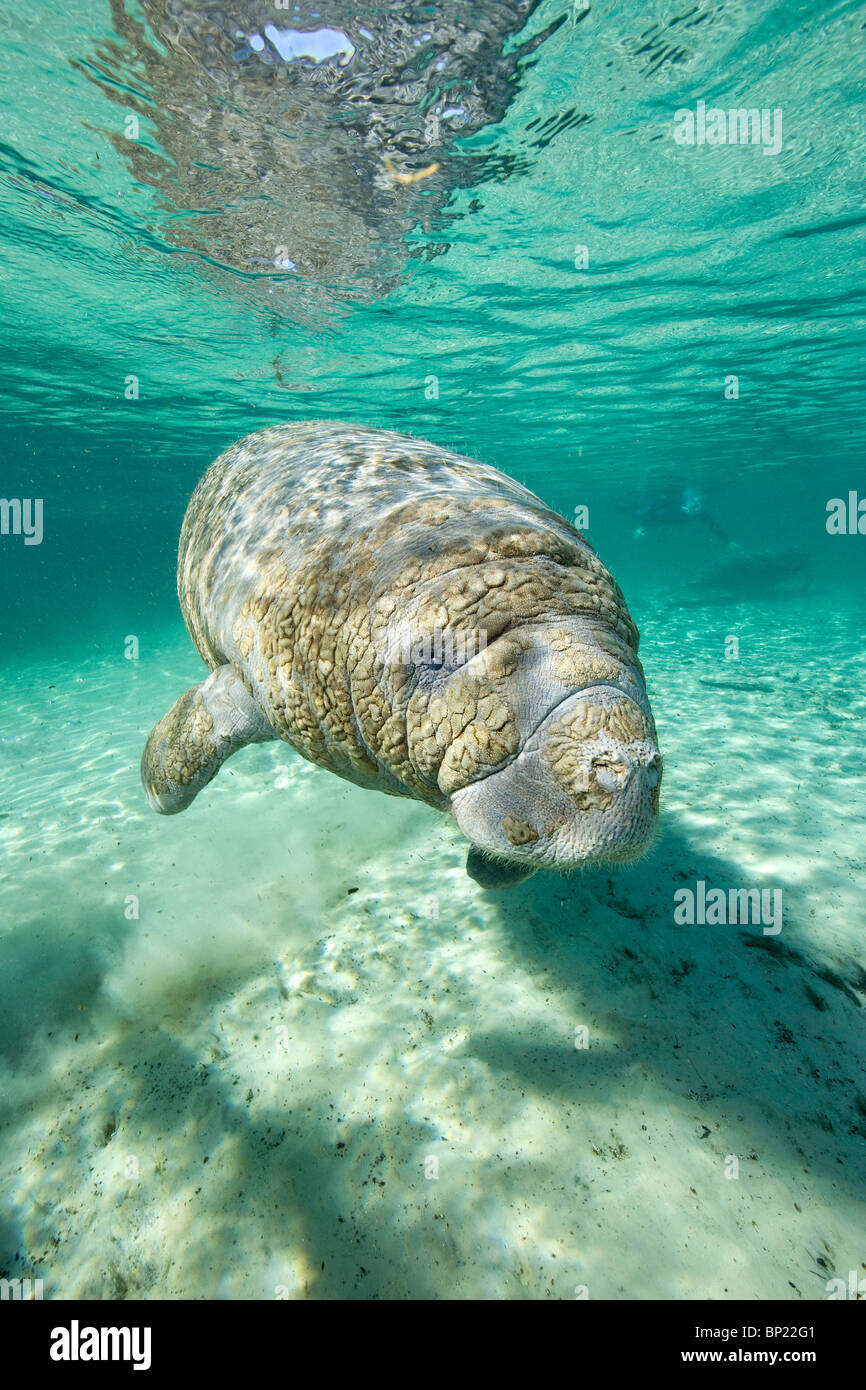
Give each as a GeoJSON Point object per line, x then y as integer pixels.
{"type": "Point", "coordinates": [583, 790]}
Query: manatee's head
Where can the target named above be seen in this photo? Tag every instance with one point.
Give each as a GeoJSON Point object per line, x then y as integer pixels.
{"type": "Point", "coordinates": [583, 789]}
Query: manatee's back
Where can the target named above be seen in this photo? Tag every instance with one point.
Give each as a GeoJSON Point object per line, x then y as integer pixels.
{"type": "Point", "coordinates": [301, 494]}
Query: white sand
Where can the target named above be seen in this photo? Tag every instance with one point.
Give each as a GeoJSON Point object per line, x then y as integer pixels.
{"type": "Point", "coordinates": [238, 1094]}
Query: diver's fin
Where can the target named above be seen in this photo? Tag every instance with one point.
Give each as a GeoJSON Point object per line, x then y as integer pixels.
{"type": "Point", "coordinates": [496, 873]}
{"type": "Point", "coordinates": [190, 743]}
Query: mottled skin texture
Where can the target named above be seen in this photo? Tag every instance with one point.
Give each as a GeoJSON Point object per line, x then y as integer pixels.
{"type": "Point", "coordinates": [337, 581]}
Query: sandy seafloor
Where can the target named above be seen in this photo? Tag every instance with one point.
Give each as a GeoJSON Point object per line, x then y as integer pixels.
{"type": "Point", "coordinates": [239, 1094]}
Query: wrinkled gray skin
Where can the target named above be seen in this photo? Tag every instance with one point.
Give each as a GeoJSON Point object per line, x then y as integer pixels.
{"type": "Point", "coordinates": [308, 172]}
{"type": "Point", "coordinates": [417, 623]}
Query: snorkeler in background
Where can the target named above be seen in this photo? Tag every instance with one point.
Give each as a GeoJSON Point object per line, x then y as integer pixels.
{"type": "Point", "coordinates": [776, 572]}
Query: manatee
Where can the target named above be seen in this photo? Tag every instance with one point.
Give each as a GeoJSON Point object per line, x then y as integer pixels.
{"type": "Point", "coordinates": [741, 575]}
{"type": "Point", "coordinates": [419, 624]}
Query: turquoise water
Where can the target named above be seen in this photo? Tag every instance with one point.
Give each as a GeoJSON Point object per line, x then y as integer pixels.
{"type": "Point", "coordinates": [238, 1091]}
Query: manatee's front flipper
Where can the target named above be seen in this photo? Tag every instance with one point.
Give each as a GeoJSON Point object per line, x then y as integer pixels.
{"type": "Point", "coordinates": [495, 873]}
{"type": "Point", "coordinates": [190, 743]}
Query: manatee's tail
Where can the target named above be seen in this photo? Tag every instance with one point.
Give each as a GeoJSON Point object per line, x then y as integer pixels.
{"type": "Point", "coordinates": [189, 744]}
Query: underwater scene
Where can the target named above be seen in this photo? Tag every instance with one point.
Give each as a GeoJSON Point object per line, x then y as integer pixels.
{"type": "Point", "coordinates": [432, 678]}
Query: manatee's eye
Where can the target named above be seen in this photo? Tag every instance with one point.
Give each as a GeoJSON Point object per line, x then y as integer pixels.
{"type": "Point", "coordinates": [427, 663]}
{"type": "Point", "coordinates": [424, 655]}
{"type": "Point", "coordinates": [443, 650]}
